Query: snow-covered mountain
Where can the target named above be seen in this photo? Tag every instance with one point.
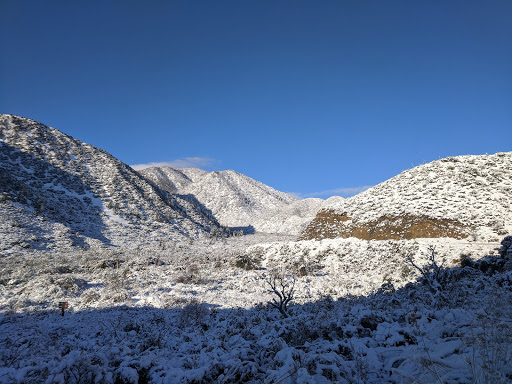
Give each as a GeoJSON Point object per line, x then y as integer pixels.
{"type": "Point", "coordinates": [53, 187]}
{"type": "Point", "coordinates": [457, 197]}
{"type": "Point", "coordinates": [237, 200]}
{"type": "Point", "coordinates": [360, 311]}
{"type": "Point", "coordinates": [293, 218]}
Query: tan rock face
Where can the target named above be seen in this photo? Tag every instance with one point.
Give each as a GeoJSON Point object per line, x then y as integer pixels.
{"type": "Point", "coordinates": [329, 225]}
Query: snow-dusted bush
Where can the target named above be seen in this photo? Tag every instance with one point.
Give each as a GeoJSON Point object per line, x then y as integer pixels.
{"type": "Point", "coordinates": [90, 296]}
{"type": "Point", "coordinates": [194, 313]}
{"type": "Point", "coordinates": [115, 280]}
{"type": "Point", "coordinates": [192, 275]}
{"type": "Point", "coordinates": [489, 350]}
{"type": "Point", "coordinates": [506, 247]}
{"type": "Point", "coordinates": [245, 261]}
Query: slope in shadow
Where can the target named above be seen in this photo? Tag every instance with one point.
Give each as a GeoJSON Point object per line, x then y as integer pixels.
{"type": "Point", "coordinates": [50, 192]}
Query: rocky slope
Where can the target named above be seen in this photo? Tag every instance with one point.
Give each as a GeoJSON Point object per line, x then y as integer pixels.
{"type": "Point", "coordinates": [237, 200]}
{"type": "Point", "coordinates": [456, 197]}
{"type": "Point", "coordinates": [53, 186]}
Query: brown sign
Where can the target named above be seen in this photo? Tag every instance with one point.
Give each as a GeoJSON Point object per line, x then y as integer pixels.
{"type": "Point", "coordinates": [63, 305]}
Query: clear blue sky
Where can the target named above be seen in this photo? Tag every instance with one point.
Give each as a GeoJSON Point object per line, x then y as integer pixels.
{"type": "Point", "coordinates": [305, 96]}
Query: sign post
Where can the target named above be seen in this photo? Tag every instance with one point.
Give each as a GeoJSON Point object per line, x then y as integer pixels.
{"type": "Point", "coordinates": [63, 305]}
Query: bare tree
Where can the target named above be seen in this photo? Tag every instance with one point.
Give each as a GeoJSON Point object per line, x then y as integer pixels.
{"type": "Point", "coordinates": [433, 273]}
{"type": "Point", "coordinates": [283, 288]}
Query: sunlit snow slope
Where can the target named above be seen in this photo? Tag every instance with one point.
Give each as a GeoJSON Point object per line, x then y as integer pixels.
{"type": "Point", "coordinates": [457, 197]}
{"type": "Point", "coordinates": [237, 200]}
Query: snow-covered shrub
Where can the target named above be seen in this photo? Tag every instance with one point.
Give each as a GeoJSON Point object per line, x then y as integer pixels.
{"type": "Point", "coordinates": [192, 275]}
{"type": "Point", "coordinates": [490, 352]}
{"type": "Point", "coordinates": [254, 255]}
{"type": "Point", "coordinates": [488, 265]}
{"type": "Point", "coordinates": [90, 296]}
{"type": "Point", "coordinates": [193, 314]}
{"type": "Point", "coordinates": [79, 369]}
{"type": "Point", "coordinates": [70, 283]}
{"type": "Point", "coordinates": [506, 247]}
{"type": "Point", "coordinates": [245, 261]}
{"type": "Point", "coordinates": [121, 296]}
{"type": "Point", "coordinates": [116, 287]}
{"type": "Point", "coordinates": [465, 260]}
{"type": "Point", "coordinates": [115, 280]}
{"type": "Point", "coordinates": [193, 269]}
{"type": "Point", "coordinates": [184, 279]}
{"type": "Point", "coordinates": [303, 266]}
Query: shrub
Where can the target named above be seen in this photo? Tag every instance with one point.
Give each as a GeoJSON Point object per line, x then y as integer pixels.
{"type": "Point", "coordinates": [90, 296]}
{"type": "Point", "coordinates": [192, 275]}
{"type": "Point", "coordinates": [193, 314]}
{"type": "Point", "coordinates": [184, 279]}
{"type": "Point", "coordinates": [244, 261]}
{"type": "Point", "coordinates": [506, 247]}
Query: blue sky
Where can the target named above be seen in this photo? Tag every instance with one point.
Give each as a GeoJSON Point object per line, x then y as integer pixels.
{"type": "Point", "coordinates": [309, 97]}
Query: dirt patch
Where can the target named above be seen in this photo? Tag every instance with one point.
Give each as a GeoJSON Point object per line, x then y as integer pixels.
{"type": "Point", "coordinates": [329, 225]}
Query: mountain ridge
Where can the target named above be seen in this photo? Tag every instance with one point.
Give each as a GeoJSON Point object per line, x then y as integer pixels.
{"type": "Point", "coordinates": [86, 189]}
{"type": "Point", "coordinates": [45, 172]}
{"type": "Point", "coordinates": [235, 199]}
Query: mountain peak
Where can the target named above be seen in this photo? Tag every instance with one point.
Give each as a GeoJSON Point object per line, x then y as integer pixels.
{"type": "Point", "coordinates": [235, 199]}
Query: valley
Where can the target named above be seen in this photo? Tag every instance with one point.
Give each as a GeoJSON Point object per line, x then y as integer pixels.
{"type": "Point", "coordinates": [166, 272]}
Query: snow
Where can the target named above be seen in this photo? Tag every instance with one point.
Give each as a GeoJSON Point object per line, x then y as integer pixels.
{"type": "Point", "coordinates": [456, 183]}
{"type": "Point", "coordinates": [473, 191]}
{"type": "Point", "coordinates": [112, 216]}
{"type": "Point", "coordinates": [95, 201]}
{"type": "Point", "coordinates": [131, 316]}
{"type": "Point", "coordinates": [162, 302]}
{"type": "Point", "coordinates": [237, 200]}
{"type": "Point", "coordinates": [55, 172]}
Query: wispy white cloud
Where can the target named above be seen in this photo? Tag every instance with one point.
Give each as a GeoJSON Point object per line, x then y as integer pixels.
{"type": "Point", "coordinates": [299, 196]}
{"type": "Point", "coordinates": [344, 192]}
{"type": "Point", "coordinates": [187, 162]}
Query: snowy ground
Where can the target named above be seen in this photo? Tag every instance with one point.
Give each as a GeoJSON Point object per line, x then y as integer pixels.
{"type": "Point", "coordinates": [197, 312]}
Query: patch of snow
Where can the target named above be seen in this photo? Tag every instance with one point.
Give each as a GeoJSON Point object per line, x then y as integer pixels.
{"type": "Point", "coordinates": [112, 216]}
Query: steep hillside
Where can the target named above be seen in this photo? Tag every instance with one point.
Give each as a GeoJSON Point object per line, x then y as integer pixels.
{"type": "Point", "coordinates": [167, 178]}
{"type": "Point", "coordinates": [50, 178]}
{"type": "Point", "coordinates": [235, 199]}
{"type": "Point", "coordinates": [457, 197]}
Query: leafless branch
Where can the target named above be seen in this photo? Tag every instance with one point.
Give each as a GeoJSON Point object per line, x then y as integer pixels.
{"type": "Point", "coordinates": [284, 289]}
